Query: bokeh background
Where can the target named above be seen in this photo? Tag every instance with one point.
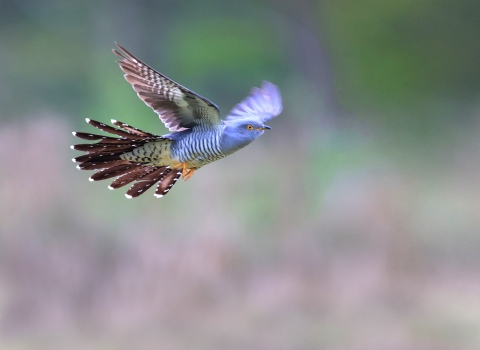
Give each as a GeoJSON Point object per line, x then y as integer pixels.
{"type": "Point", "coordinates": [354, 224]}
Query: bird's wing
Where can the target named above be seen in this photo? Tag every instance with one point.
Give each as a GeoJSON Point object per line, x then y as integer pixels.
{"type": "Point", "coordinates": [264, 103]}
{"type": "Point", "coordinates": [178, 107]}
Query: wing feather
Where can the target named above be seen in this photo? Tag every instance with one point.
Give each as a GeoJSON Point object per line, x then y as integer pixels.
{"type": "Point", "coordinates": [264, 103]}
{"type": "Point", "coordinates": [178, 107]}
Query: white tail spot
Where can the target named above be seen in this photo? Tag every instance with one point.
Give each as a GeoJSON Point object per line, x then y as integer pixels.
{"type": "Point", "coordinates": [90, 179]}
{"type": "Point", "coordinates": [113, 121]}
{"type": "Point", "coordinates": [72, 147]}
{"type": "Point", "coordinates": [87, 120]}
{"type": "Point", "coordinates": [74, 133]}
{"type": "Point", "coordinates": [128, 196]}
{"type": "Point", "coordinates": [158, 195]}
{"type": "Point", "coordinates": [110, 187]}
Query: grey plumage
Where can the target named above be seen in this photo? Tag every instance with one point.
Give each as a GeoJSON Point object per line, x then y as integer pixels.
{"type": "Point", "coordinates": [198, 135]}
{"type": "Point", "coordinates": [200, 145]}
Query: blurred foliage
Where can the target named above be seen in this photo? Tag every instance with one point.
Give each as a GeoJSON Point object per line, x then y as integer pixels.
{"type": "Point", "coordinates": [404, 52]}
{"type": "Point", "coordinates": [410, 55]}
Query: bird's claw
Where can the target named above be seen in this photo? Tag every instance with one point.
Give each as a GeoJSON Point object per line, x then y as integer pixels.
{"type": "Point", "coordinates": [186, 172]}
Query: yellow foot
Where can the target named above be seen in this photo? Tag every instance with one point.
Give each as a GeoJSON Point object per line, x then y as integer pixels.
{"type": "Point", "coordinates": [186, 172]}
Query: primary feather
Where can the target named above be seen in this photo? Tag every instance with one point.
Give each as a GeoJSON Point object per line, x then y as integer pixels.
{"type": "Point", "coordinates": [178, 107]}
{"type": "Point", "coordinates": [264, 104]}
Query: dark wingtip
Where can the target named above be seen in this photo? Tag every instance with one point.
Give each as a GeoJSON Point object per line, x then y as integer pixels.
{"type": "Point", "coordinates": [121, 52]}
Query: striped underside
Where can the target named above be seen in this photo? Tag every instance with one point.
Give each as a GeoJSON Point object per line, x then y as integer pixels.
{"type": "Point", "coordinates": [199, 147]}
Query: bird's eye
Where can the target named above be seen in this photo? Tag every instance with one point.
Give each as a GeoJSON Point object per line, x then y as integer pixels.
{"type": "Point", "coordinates": [250, 127]}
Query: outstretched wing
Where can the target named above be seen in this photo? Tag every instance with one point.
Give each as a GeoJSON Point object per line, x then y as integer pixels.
{"type": "Point", "coordinates": [178, 107]}
{"type": "Point", "coordinates": [264, 103]}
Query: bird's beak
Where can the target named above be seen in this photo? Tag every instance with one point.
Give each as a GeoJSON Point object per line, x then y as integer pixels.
{"type": "Point", "coordinates": [267, 127]}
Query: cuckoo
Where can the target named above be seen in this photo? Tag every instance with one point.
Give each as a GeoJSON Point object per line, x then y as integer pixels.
{"type": "Point", "coordinates": [198, 135]}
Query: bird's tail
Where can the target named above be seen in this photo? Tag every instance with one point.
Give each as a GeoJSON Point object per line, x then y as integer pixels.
{"type": "Point", "coordinates": [105, 155]}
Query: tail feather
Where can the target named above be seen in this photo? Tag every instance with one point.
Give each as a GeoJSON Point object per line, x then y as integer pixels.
{"type": "Point", "coordinates": [87, 136]}
{"type": "Point", "coordinates": [103, 139]}
{"type": "Point", "coordinates": [134, 175]}
{"type": "Point", "coordinates": [97, 157]}
{"type": "Point", "coordinates": [101, 165]}
{"type": "Point", "coordinates": [132, 129]}
{"type": "Point", "coordinates": [112, 130]}
{"type": "Point", "coordinates": [105, 155]}
{"type": "Point", "coordinates": [103, 147]}
{"type": "Point", "coordinates": [114, 140]}
{"type": "Point", "coordinates": [157, 174]}
{"type": "Point", "coordinates": [107, 139]}
{"type": "Point", "coordinates": [147, 182]}
{"type": "Point", "coordinates": [114, 171]}
{"type": "Point", "coordinates": [167, 183]}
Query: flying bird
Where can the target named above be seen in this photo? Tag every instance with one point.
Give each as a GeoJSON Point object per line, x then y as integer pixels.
{"type": "Point", "coordinates": [198, 136]}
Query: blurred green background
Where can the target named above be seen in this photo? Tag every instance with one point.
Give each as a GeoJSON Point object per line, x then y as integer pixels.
{"type": "Point", "coordinates": [354, 224]}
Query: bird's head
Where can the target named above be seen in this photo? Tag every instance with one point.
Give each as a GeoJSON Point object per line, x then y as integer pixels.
{"type": "Point", "coordinates": [245, 122]}
{"type": "Point", "coordinates": [240, 132]}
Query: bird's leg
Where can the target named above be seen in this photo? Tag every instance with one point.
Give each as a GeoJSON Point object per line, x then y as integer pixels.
{"type": "Point", "coordinates": [186, 172]}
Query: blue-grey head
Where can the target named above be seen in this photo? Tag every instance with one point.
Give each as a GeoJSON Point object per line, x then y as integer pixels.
{"type": "Point", "coordinates": [246, 121]}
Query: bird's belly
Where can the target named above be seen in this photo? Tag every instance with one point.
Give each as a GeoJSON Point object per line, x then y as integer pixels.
{"type": "Point", "coordinates": [197, 150]}
{"type": "Point", "coordinates": [202, 160]}
{"type": "Point", "coordinates": [153, 153]}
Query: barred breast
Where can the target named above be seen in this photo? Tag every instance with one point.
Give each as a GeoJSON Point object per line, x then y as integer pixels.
{"type": "Point", "coordinates": [199, 147]}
